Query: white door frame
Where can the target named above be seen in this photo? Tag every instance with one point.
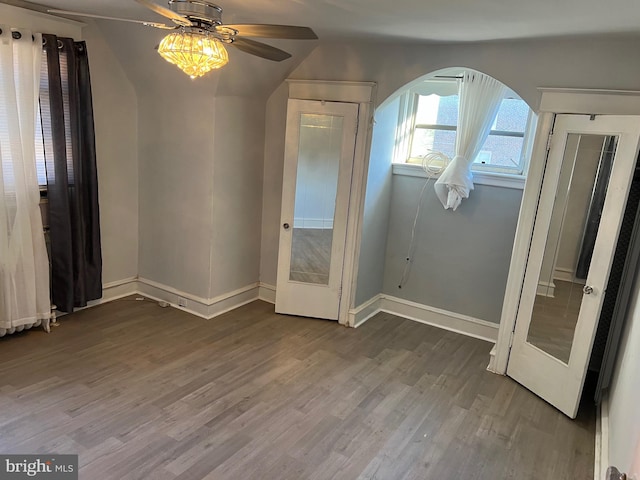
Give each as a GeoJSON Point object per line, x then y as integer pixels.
{"type": "Point", "coordinates": [553, 101]}
{"type": "Point", "coordinates": [560, 382]}
{"type": "Point", "coordinates": [295, 297]}
{"type": "Point", "coordinates": [362, 93]}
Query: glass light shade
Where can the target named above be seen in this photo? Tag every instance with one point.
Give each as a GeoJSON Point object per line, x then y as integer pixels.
{"type": "Point", "coordinates": [194, 53]}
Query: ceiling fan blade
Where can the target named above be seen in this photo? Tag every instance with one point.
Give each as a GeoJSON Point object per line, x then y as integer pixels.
{"type": "Point", "coordinates": [90, 15]}
{"type": "Point", "coordinates": [260, 49]}
{"type": "Point", "coordinates": [274, 31]}
{"type": "Point", "coordinates": [165, 12]}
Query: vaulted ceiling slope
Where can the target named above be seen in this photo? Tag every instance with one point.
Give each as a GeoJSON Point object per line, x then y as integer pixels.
{"type": "Point", "coordinates": [435, 20]}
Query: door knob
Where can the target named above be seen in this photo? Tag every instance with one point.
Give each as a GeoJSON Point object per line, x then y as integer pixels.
{"type": "Point", "coordinates": [285, 226]}
{"type": "Point", "coordinates": [587, 290]}
{"type": "Point", "coordinates": [614, 474]}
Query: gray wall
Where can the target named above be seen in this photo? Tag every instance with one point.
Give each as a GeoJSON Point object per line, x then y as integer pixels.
{"type": "Point", "coordinates": [176, 190]}
{"type": "Point", "coordinates": [275, 118]}
{"type": "Point", "coordinates": [624, 414]}
{"type": "Point", "coordinates": [237, 193]}
{"type": "Point", "coordinates": [460, 260]}
{"type": "Point", "coordinates": [200, 149]}
{"type": "Point", "coordinates": [523, 65]}
{"type": "Point", "coordinates": [377, 203]}
{"type": "Point", "coordinates": [200, 191]}
{"type": "Point", "coordinates": [115, 108]}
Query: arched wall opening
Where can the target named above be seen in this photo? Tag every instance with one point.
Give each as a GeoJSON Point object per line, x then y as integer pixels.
{"type": "Point", "coordinates": [441, 72]}
{"type": "Point", "coordinates": [456, 265]}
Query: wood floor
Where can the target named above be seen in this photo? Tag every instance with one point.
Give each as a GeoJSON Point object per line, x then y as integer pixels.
{"type": "Point", "coordinates": [141, 392]}
{"type": "Point", "coordinates": [554, 319]}
{"type": "Point", "coordinates": [311, 255]}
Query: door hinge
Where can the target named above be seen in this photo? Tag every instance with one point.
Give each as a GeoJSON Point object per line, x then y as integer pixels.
{"type": "Point", "coordinates": [549, 139]}
{"type": "Point", "coordinates": [511, 336]}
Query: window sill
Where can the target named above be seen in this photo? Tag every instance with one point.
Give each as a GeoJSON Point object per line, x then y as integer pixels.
{"type": "Point", "coordinates": [479, 178]}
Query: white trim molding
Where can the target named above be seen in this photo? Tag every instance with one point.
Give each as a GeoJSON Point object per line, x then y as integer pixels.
{"type": "Point", "coordinates": [503, 180]}
{"type": "Point", "coordinates": [267, 293]}
{"type": "Point", "coordinates": [546, 289]}
{"type": "Point", "coordinates": [335, 91]}
{"type": "Point", "coordinates": [363, 94]}
{"type": "Point", "coordinates": [454, 322]}
{"type": "Point", "coordinates": [363, 312]}
{"type": "Point", "coordinates": [207, 308]}
{"type": "Point", "coordinates": [567, 275]}
{"type": "Point", "coordinates": [313, 223]}
{"type": "Point", "coordinates": [553, 100]}
{"type": "Point", "coordinates": [119, 289]}
{"type": "Point", "coordinates": [521, 243]}
{"type": "Point", "coordinates": [110, 291]}
{"type": "Point", "coordinates": [590, 102]}
{"type": "Point", "coordinates": [602, 440]}
{"type": "Point", "coordinates": [436, 317]}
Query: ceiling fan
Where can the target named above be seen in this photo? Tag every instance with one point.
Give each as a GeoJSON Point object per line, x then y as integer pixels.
{"type": "Point", "coordinates": [197, 43]}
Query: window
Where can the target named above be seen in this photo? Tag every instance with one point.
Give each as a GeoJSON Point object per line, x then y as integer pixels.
{"type": "Point", "coordinates": [41, 165]}
{"type": "Point", "coordinates": [44, 123]}
{"type": "Point", "coordinates": [429, 118]}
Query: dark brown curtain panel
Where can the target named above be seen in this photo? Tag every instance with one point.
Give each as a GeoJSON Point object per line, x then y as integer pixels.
{"type": "Point", "coordinates": [72, 180]}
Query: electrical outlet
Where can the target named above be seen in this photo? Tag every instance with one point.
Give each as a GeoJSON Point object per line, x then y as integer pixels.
{"type": "Point", "coordinates": [182, 302]}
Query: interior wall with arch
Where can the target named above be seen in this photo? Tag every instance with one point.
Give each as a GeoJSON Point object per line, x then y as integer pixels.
{"type": "Point", "coordinates": [598, 62]}
{"type": "Point", "coordinates": [459, 260]}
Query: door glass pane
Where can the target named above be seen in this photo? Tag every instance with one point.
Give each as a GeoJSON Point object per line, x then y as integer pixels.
{"type": "Point", "coordinates": [582, 187]}
{"type": "Point", "coordinates": [315, 203]}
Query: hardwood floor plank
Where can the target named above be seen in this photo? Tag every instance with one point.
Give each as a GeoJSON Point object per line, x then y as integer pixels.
{"type": "Point", "coordinates": [142, 392]}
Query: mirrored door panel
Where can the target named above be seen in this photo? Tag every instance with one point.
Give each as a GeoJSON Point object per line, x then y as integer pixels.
{"type": "Point", "coordinates": [575, 218]}
{"type": "Point", "coordinates": [319, 152]}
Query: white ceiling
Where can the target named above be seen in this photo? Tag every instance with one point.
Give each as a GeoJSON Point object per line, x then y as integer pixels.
{"type": "Point", "coordinates": [434, 20]}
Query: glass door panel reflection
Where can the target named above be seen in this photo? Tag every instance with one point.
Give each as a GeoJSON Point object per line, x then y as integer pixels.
{"type": "Point", "coordinates": [577, 210]}
{"type": "Point", "coordinates": [319, 152]}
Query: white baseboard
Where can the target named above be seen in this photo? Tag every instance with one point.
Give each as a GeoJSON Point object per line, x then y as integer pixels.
{"type": "Point", "coordinates": [602, 440]}
{"type": "Point", "coordinates": [202, 307]}
{"type": "Point", "coordinates": [118, 289]}
{"type": "Point", "coordinates": [492, 362]}
{"type": "Point", "coordinates": [313, 223]}
{"type": "Point", "coordinates": [567, 275]}
{"type": "Point", "coordinates": [362, 313]}
{"type": "Point", "coordinates": [205, 308]}
{"type": "Point", "coordinates": [454, 322]}
{"type": "Point", "coordinates": [267, 293]}
{"type": "Point", "coordinates": [546, 289]}
{"type": "Point", "coordinates": [110, 291]}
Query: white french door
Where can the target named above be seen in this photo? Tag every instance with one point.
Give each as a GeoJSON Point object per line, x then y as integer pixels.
{"type": "Point", "coordinates": [318, 165]}
{"type": "Point", "coordinates": [584, 191]}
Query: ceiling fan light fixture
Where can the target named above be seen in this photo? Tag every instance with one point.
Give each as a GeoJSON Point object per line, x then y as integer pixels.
{"type": "Point", "coordinates": [194, 53]}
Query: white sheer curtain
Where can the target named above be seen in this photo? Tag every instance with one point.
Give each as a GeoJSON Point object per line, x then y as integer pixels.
{"type": "Point", "coordinates": [24, 266]}
{"type": "Point", "coordinates": [480, 98]}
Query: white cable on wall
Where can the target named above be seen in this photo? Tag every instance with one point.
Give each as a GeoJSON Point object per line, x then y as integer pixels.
{"type": "Point", "coordinates": [433, 163]}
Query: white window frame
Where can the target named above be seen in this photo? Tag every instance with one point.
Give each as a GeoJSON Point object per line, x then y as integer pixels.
{"type": "Point", "coordinates": [483, 174]}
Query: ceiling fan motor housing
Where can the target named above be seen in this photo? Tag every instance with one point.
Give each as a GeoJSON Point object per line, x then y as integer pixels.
{"type": "Point", "coordinates": [199, 10]}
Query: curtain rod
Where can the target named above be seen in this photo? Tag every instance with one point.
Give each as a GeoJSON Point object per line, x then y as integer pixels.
{"type": "Point", "coordinates": [18, 36]}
